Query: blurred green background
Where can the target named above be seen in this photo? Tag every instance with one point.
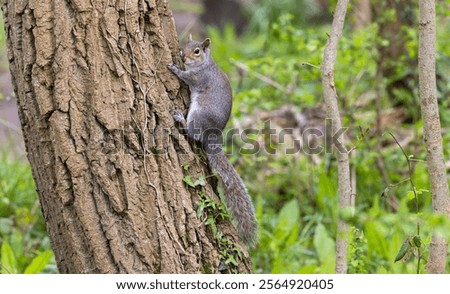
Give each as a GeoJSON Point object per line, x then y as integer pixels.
{"type": "Point", "coordinates": [272, 51]}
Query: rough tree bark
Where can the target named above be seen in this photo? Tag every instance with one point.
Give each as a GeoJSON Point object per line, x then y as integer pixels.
{"type": "Point", "coordinates": [432, 129]}
{"type": "Point", "coordinates": [330, 97]}
{"type": "Point", "coordinates": [95, 101]}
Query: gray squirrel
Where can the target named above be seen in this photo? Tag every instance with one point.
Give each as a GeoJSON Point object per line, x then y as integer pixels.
{"type": "Point", "coordinates": [209, 111]}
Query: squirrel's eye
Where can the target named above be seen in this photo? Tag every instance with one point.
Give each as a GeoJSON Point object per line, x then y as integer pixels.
{"type": "Point", "coordinates": [197, 51]}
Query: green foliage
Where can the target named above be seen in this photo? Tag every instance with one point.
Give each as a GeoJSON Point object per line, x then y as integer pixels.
{"type": "Point", "coordinates": [39, 263]}
{"type": "Point", "coordinates": [357, 252]}
{"type": "Point", "coordinates": [201, 181]}
{"type": "Point", "coordinates": [325, 247]}
{"type": "Point", "coordinates": [25, 246]}
{"type": "Point", "coordinates": [296, 201]}
{"type": "Point", "coordinates": [286, 56]}
{"type": "Point", "coordinates": [264, 13]}
{"type": "Point", "coordinates": [9, 262]}
{"type": "Point", "coordinates": [280, 243]}
{"type": "Point", "coordinates": [213, 212]}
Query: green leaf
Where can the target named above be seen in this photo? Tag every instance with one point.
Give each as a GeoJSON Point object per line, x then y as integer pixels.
{"type": "Point", "coordinates": [39, 262]}
{"type": "Point", "coordinates": [375, 232]}
{"type": "Point", "coordinates": [324, 244]}
{"type": "Point", "coordinates": [210, 222]}
{"type": "Point", "coordinates": [231, 260]}
{"type": "Point", "coordinates": [410, 195]}
{"type": "Point", "coordinates": [403, 250]}
{"type": "Point", "coordinates": [200, 208]}
{"type": "Point", "coordinates": [382, 270]}
{"type": "Point", "coordinates": [288, 219]}
{"type": "Point", "coordinates": [201, 181]}
{"type": "Point", "coordinates": [421, 191]}
{"type": "Point", "coordinates": [185, 166]}
{"type": "Point", "coordinates": [188, 181]}
{"type": "Point", "coordinates": [238, 252]}
{"type": "Point", "coordinates": [417, 241]}
{"type": "Point", "coordinates": [308, 269]}
{"type": "Point", "coordinates": [8, 260]}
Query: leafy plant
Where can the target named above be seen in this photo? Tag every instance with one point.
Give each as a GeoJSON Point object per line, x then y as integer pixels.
{"type": "Point", "coordinates": [296, 200]}
{"type": "Point", "coordinates": [25, 245]}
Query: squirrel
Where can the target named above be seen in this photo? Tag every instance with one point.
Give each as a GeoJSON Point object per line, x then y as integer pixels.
{"type": "Point", "coordinates": [209, 112]}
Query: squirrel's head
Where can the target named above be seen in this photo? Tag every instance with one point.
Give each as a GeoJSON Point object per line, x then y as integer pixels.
{"type": "Point", "coordinates": [195, 52]}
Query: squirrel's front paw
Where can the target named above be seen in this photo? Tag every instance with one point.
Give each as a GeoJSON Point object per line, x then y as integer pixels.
{"type": "Point", "coordinates": [178, 116]}
{"type": "Point", "coordinates": [172, 67]}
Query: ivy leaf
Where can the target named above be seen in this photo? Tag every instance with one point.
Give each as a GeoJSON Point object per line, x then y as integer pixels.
{"type": "Point", "coordinates": [238, 252]}
{"type": "Point", "coordinates": [185, 166]}
{"type": "Point", "coordinates": [201, 181]}
{"type": "Point", "coordinates": [200, 208]}
{"type": "Point", "coordinates": [210, 222]}
{"type": "Point", "coordinates": [231, 260]}
{"type": "Point", "coordinates": [188, 180]}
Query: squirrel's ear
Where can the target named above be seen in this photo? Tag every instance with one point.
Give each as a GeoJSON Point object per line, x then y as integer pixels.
{"type": "Point", "coordinates": [190, 37]}
{"type": "Point", "coordinates": [206, 43]}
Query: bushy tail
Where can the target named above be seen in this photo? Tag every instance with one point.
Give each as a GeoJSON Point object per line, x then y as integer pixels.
{"type": "Point", "coordinates": [237, 198]}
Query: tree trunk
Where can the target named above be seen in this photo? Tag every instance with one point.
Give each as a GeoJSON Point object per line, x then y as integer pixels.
{"type": "Point", "coordinates": [95, 102]}
{"type": "Point", "coordinates": [362, 14]}
{"type": "Point", "coordinates": [432, 130]}
{"type": "Point", "coordinates": [392, 18]}
{"type": "Point", "coordinates": [330, 98]}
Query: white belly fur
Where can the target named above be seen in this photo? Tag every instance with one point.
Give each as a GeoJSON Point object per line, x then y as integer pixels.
{"type": "Point", "coordinates": [193, 107]}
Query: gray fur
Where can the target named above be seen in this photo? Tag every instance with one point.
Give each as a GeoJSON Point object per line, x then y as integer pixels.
{"type": "Point", "coordinates": [211, 100]}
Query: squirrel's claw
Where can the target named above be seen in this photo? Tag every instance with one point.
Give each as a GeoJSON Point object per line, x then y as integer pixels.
{"type": "Point", "coordinates": [172, 67]}
{"type": "Point", "coordinates": [178, 116]}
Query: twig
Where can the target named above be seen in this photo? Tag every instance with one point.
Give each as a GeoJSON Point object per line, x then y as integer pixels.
{"type": "Point", "coordinates": [261, 77]}
{"type": "Point", "coordinates": [309, 64]}
{"type": "Point", "coordinates": [416, 199]}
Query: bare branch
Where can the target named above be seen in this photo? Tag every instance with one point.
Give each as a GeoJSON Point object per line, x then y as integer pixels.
{"type": "Point", "coordinates": [261, 77]}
